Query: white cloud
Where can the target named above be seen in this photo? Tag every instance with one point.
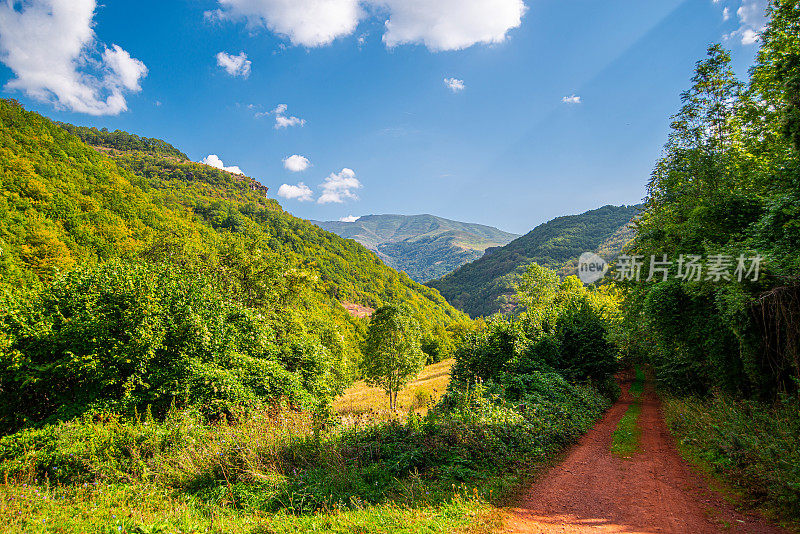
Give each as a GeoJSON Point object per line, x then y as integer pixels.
{"type": "Point", "coordinates": [349, 219]}
{"type": "Point", "coordinates": [339, 187]}
{"type": "Point", "coordinates": [304, 22]}
{"type": "Point", "coordinates": [752, 21]}
{"type": "Point", "coordinates": [281, 119]}
{"type": "Point", "coordinates": [437, 24]}
{"type": "Point", "coordinates": [214, 161]}
{"type": "Point", "coordinates": [287, 122]}
{"type": "Point", "coordinates": [454, 84]}
{"type": "Point", "coordinates": [52, 49]}
{"type": "Point", "coordinates": [234, 65]}
{"type": "Point", "coordinates": [296, 163]}
{"type": "Point", "coordinates": [450, 24]}
{"type": "Point", "coordinates": [726, 14]}
{"type": "Point", "coordinates": [299, 192]}
{"type": "Point", "coordinates": [574, 99]}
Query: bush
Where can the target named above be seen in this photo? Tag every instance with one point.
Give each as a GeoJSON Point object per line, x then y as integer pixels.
{"type": "Point", "coordinates": [120, 337]}
{"type": "Point", "coordinates": [585, 351]}
{"type": "Point", "coordinates": [750, 444]}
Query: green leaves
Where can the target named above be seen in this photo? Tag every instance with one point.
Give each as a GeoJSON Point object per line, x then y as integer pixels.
{"type": "Point", "coordinates": [392, 351]}
{"type": "Point", "coordinates": [124, 337]}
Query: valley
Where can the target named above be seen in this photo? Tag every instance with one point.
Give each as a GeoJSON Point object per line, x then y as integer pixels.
{"type": "Point", "coordinates": [426, 247]}
{"type": "Point", "coordinates": [198, 337]}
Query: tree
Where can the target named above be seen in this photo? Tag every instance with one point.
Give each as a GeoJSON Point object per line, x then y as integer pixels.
{"type": "Point", "coordinates": [393, 352]}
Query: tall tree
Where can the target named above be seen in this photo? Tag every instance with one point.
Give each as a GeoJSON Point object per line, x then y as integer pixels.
{"type": "Point", "coordinates": [393, 354]}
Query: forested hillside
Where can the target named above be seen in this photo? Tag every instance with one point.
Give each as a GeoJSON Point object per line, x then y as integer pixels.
{"type": "Point", "coordinates": [424, 246]}
{"type": "Point", "coordinates": [484, 286]}
{"type": "Point", "coordinates": [609, 249]}
{"type": "Point", "coordinates": [174, 252]}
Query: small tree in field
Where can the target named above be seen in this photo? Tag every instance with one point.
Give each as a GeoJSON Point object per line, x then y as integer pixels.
{"type": "Point", "coordinates": [393, 352]}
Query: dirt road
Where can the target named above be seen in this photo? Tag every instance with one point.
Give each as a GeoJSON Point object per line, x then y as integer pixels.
{"type": "Point", "coordinates": [593, 490]}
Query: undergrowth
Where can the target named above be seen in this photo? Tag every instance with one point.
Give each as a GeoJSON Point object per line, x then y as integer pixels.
{"type": "Point", "coordinates": [272, 472]}
{"type": "Point", "coordinates": [753, 446]}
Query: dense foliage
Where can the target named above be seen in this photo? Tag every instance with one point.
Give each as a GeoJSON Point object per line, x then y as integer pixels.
{"type": "Point", "coordinates": [137, 277]}
{"type": "Point", "coordinates": [728, 184]}
{"type": "Point", "coordinates": [119, 338]}
{"type": "Point", "coordinates": [424, 246]}
{"type": "Point", "coordinates": [487, 285]}
{"type": "Point", "coordinates": [123, 141]}
{"type": "Point", "coordinates": [566, 332]}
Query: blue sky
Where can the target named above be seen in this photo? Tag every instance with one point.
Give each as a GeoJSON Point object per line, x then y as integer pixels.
{"type": "Point", "coordinates": [368, 106]}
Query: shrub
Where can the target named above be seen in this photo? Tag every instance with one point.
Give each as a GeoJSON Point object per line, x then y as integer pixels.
{"type": "Point", "coordinates": [750, 444]}
{"type": "Point", "coordinates": [421, 399]}
{"type": "Point", "coordinates": [585, 351]}
{"type": "Point", "coordinates": [119, 337]}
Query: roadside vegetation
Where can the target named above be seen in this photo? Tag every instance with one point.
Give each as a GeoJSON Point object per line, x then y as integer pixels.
{"type": "Point", "coordinates": [626, 438]}
{"type": "Point", "coordinates": [753, 446]}
{"type": "Point", "coordinates": [725, 349]}
{"type": "Point", "coordinates": [508, 410]}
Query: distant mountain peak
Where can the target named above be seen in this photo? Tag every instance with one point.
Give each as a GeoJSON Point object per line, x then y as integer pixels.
{"type": "Point", "coordinates": [424, 246]}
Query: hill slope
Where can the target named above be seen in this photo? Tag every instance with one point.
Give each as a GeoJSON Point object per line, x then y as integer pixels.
{"type": "Point", "coordinates": [66, 203]}
{"type": "Point", "coordinates": [424, 246]}
{"type": "Point", "coordinates": [484, 286]}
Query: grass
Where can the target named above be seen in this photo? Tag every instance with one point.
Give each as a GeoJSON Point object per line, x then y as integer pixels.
{"type": "Point", "coordinates": [625, 440]}
{"type": "Point", "coordinates": [749, 449]}
{"type": "Point", "coordinates": [144, 509]}
{"type": "Point", "coordinates": [422, 393]}
{"type": "Point", "coordinates": [271, 472]}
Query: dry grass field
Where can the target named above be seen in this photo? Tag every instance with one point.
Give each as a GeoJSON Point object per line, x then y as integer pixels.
{"type": "Point", "coordinates": [422, 392]}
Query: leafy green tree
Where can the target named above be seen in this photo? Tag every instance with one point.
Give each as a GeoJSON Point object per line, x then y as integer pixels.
{"type": "Point", "coordinates": [393, 354]}
{"type": "Point", "coordinates": [728, 183]}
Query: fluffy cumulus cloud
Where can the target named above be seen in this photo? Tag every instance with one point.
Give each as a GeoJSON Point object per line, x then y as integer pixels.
{"type": "Point", "coordinates": [296, 163]}
{"type": "Point", "coordinates": [339, 187]}
{"type": "Point", "coordinates": [304, 22]}
{"type": "Point", "coordinates": [437, 24]}
{"type": "Point", "coordinates": [299, 192]}
{"type": "Point", "coordinates": [752, 21]}
{"type": "Point", "coordinates": [349, 219]}
{"type": "Point", "coordinates": [237, 65]}
{"type": "Point", "coordinates": [215, 161]}
{"type": "Point", "coordinates": [51, 48]}
{"type": "Point", "coordinates": [572, 99]}
{"type": "Point", "coordinates": [454, 84]}
{"type": "Point", "coordinates": [450, 24]}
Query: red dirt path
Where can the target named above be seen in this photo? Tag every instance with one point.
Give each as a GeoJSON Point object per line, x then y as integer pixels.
{"type": "Point", "coordinates": [593, 490]}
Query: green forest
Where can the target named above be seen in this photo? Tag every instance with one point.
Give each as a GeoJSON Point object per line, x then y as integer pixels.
{"type": "Point", "coordinates": [487, 285]}
{"type": "Point", "coordinates": [172, 341]}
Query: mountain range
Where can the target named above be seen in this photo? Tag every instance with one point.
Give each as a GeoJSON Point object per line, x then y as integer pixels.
{"type": "Point", "coordinates": [486, 285]}
{"type": "Point", "coordinates": [426, 247]}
